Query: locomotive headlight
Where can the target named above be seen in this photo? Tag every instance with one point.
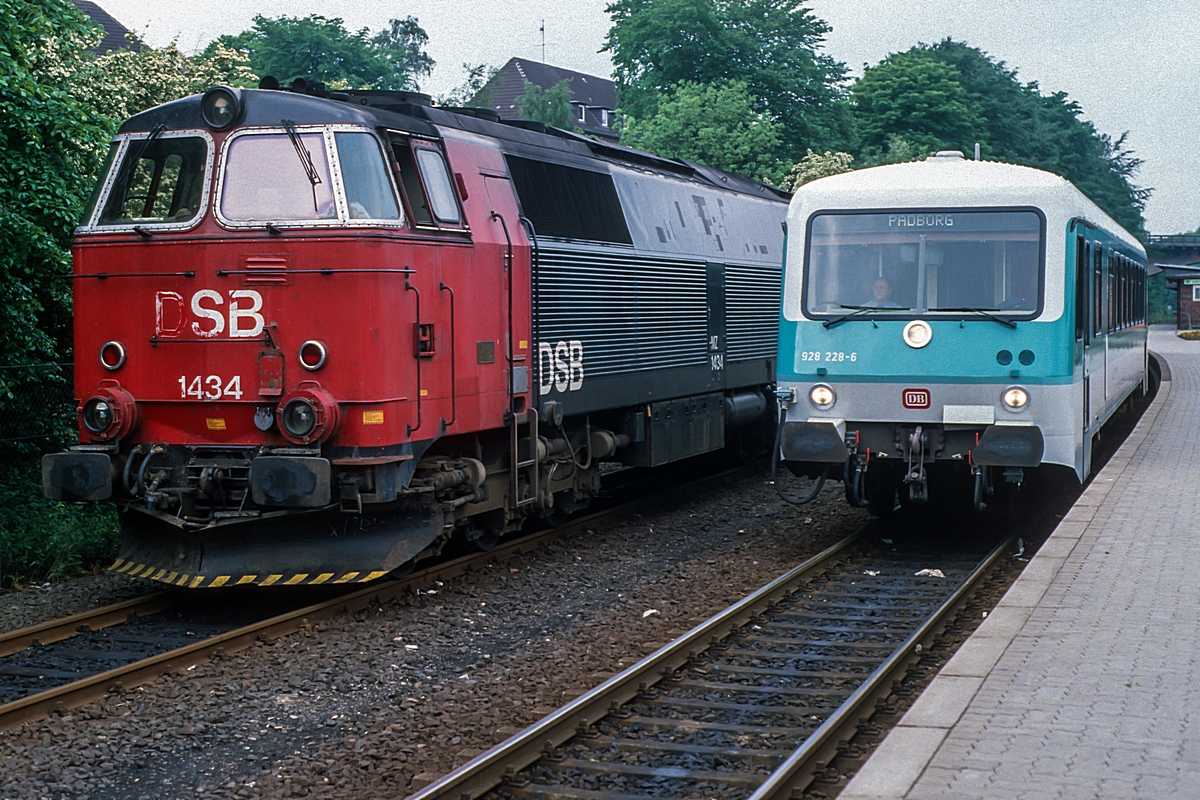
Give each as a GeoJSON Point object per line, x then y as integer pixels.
{"type": "Point", "coordinates": [1015, 398]}
{"type": "Point", "coordinates": [299, 418]}
{"type": "Point", "coordinates": [220, 107]}
{"type": "Point", "coordinates": [98, 415]}
{"type": "Point", "coordinates": [308, 415]}
{"type": "Point", "coordinates": [822, 396]}
{"type": "Point", "coordinates": [110, 413]}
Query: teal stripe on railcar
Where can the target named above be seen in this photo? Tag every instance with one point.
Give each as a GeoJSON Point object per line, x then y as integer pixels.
{"type": "Point", "coordinates": [959, 352]}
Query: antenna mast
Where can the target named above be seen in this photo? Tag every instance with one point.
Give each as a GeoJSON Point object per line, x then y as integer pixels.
{"type": "Point", "coordinates": [543, 30]}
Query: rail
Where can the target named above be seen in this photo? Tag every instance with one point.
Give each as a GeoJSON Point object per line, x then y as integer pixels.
{"type": "Point", "coordinates": [543, 745]}
{"type": "Point", "coordinates": [77, 693]}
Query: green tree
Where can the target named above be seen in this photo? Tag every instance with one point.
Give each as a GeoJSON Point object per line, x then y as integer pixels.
{"type": "Point", "coordinates": [123, 83]}
{"type": "Point", "coordinates": [403, 43]}
{"type": "Point", "coordinates": [321, 49]}
{"type": "Point", "coordinates": [953, 95]}
{"type": "Point", "coordinates": [714, 124]}
{"type": "Point", "coordinates": [918, 99]}
{"type": "Point", "coordinates": [474, 90]}
{"type": "Point", "coordinates": [815, 166]}
{"type": "Point", "coordinates": [773, 46]}
{"type": "Point", "coordinates": [551, 106]}
{"type": "Point", "coordinates": [49, 143]}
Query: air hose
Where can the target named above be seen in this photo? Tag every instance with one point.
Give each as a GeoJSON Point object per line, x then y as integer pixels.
{"type": "Point", "coordinates": [796, 501]}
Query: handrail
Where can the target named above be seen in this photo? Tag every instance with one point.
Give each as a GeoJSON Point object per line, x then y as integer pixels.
{"type": "Point", "coordinates": [408, 287]}
{"type": "Point", "coordinates": [508, 267]}
{"type": "Point", "coordinates": [453, 357]}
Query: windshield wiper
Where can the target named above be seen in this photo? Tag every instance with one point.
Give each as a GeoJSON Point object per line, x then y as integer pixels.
{"type": "Point", "coordinates": [829, 323]}
{"type": "Point", "coordinates": [306, 161]}
{"type": "Point", "coordinates": [987, 312]}
{"type": "Point", "coordinates": [131, 164]}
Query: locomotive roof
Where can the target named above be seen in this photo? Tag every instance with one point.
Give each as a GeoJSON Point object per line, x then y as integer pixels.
{"type": "Point", "coordinates": [952, 180]}
{"type": "Point", "coordinates": [408, 113]}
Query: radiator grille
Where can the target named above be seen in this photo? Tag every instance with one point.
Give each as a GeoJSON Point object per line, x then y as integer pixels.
{"type": "Point", "coordinates": [751, 311]}
{"type": "Point", "coordinates": [632, 312]}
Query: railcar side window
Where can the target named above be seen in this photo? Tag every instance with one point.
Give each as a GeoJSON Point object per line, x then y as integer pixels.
{"type": "Point", "coordinates": [928, 261]}
{"type": "Point", "coordinates": [161, 180]}
{"type": "Point", "coordinates": [269, 178]}
{"type": "Point", "coordinates": [364, 171]}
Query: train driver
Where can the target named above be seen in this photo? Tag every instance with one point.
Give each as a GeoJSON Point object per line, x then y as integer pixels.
{"type": "Point", "coordinates": [881, 294]}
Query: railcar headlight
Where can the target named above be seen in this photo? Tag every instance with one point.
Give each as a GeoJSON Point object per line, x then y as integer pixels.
{"type": "Point", "coordinates": [917, 333]}
{"type": "Point", "coordinates": [299, 418]}
{"type": "Point", "coordinates": [220, 107]}
{"type": "Point", "coordinates": [1015, 398]}
{"type": "Point", "coordinates": [98, 415]}
{"type": "Point", "coordinates": [822, 396]}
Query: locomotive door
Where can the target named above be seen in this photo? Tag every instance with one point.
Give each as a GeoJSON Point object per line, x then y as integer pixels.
{"type": "Point", "coordinates": [517, 311]}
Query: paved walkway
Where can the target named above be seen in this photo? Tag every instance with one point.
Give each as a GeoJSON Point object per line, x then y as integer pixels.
{"type": "Point", "coordinates": [1085, 681]}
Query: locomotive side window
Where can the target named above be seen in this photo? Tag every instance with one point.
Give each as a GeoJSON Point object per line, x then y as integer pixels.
{"type": "Point", "coordinates": [364, 171]}
{"type": "Point", "coordinates": [95, 197]}
{"type": "Point", "coordinates": [927, 261]}
{"type": "Point", "coordinates": [269, 177]}
{"type": "Point", "coordinates": [436, 178]}
{"type": "Point", "coordinates": [160, 180]}
{"type": "Point", "coordinates": [410, 182]}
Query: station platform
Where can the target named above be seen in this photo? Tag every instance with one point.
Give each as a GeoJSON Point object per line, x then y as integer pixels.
{"type": "Point", "coordinates": [1084, 682]}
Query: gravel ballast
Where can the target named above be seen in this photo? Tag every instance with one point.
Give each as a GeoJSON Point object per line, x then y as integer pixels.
{"type": "Point", "coordinates": [377, 703]}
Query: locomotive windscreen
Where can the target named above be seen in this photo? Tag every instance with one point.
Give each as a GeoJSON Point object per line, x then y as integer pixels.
{"type": "Point", "coordinates": [569, 203]}
{"type": "Point", "coordinates": [926, 261]}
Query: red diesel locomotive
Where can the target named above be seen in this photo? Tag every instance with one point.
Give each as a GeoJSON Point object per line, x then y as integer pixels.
{"type": "Point", "coordinates": [320, 335]}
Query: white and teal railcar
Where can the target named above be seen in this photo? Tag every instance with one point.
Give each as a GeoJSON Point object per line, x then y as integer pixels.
{"type": "Point", "coordinates": [953, 318]}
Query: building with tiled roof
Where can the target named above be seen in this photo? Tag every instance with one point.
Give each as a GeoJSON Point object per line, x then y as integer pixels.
{"type": "Point", "coordinates": [116, 35]}
{"type": "Point", "coordinates": [593, 99]}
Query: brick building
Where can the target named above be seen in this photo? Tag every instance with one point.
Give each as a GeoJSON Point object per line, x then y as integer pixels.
{"type": "Point", "coordinates": [1185, 280]}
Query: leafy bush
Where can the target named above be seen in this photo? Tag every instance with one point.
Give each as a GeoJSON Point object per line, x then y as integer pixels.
{"type": "Point", "coordinates": [43, 540]}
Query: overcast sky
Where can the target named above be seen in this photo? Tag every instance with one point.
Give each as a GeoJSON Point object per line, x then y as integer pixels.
{"type": "Point", "coordinates": [1133, 65]}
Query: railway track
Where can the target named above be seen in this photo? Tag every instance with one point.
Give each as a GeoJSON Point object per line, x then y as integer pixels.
{"type": "Point", "coordinates": [756, 701]}
{"type": "Point", "coordinates": [68, 662]}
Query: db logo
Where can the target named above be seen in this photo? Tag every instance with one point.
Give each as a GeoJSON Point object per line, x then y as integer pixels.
{"type": "Point", "coordinates": [916, 398]}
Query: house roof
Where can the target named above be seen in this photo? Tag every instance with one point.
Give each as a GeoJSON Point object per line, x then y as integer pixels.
{"type": "Point", "coordinates": [595, 94]}
{"type": "Point", "coordinates": [115, 34]}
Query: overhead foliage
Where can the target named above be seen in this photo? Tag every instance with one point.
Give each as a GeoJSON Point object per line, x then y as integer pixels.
{"type": "Point", "coordinates": [320, 49]}
{"type": "Point", "coordinates": [474, 90]}
{"type": "Point", "coordinates": [950, 95]}
{"type": "Point", "coordinates": [49, 142]}
{"type": "Point", "coordinates": [714, 124]}
{"type": "Point", "coordinates": [772, 46]}
{"type": "Point", "coordinates": [123, 83]}
{"type": "Point", "coordinates": [815, 166]}
{"type": "Point", "coordinates": [917, 99]}
{"type": "Point", "coordinates": [549, 106]}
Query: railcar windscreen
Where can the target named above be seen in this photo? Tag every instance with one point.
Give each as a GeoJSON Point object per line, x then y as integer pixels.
{"type": "Point", "coordinates": [270, 179]}
{"type": "Point", "coordinates": [925, 261]}
{"type": "Point", "coordinates": [160, 180]}
{"type": "Point", "coordinates": [368, 191]}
